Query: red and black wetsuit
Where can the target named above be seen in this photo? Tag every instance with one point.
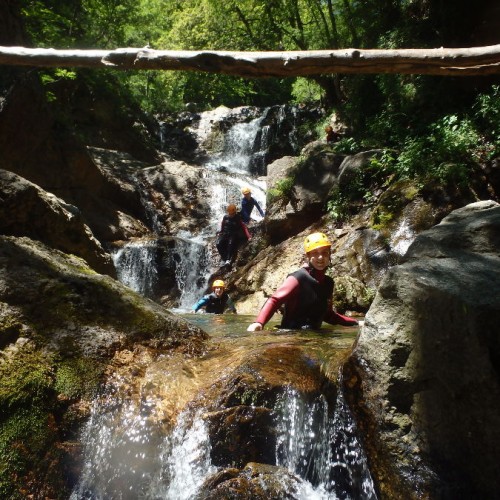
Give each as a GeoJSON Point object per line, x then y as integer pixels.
{"type": "Point", "coordinates": [307, 297]}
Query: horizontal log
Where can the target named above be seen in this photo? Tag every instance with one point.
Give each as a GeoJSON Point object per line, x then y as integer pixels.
{"type": "Point", "coordinates": [438, 61]}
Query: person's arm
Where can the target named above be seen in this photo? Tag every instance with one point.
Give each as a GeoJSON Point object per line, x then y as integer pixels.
{"type": "Point", "coordinates": [334, 318]}
{"type": "Point", "coordinates": [202, 302]}
{"type": "Point", "coordinates": [289, 287]}
{"type": "Point", "coordinates": [261, 212]}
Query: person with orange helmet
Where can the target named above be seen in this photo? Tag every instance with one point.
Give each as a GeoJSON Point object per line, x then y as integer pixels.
{"type": "Point", "coordinates": [306, 294]}
{"type": "Point", "coordinates": [217, 301]}
{"type": "Point", "coordinates": [232, 232]}
{"type": "Point", "coordinates": [248, 202]}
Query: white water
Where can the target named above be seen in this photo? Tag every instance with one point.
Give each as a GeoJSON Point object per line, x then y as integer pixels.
{"type": "Point", "coordinates": [135, 266]}
{"type": "Point", "coordinates": [225, 174]}
{"type": "Point", "coordinates": [125, 457]}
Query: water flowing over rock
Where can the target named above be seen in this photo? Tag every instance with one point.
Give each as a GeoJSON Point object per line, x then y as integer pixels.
{"type": "Point", "coordinates": [425, 369]}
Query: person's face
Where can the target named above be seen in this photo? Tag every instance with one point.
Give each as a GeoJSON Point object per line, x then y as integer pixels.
{"type": "Point", "coordinates": [319, 258]}
{"type": "Point", "coordinates": [218, 290]}
{"type": "Point", "coordinates": [247, 195]}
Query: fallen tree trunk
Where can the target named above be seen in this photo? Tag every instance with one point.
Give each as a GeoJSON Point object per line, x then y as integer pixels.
{"type": "Point", "coordinates": [441, 61]}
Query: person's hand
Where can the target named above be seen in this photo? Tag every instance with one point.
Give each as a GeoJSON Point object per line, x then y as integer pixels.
{"type": "Point", "coordinates": [254, 327]}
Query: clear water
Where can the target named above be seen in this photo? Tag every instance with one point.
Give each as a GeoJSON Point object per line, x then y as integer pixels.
{"type": "Point", "coordinates": [141, 442]}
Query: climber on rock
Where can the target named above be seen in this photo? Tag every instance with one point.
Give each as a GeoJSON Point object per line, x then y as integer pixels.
{"type": "Point", "coordinates": [248, 202]}
{"type": "Point", "coordinates": [232, 233]}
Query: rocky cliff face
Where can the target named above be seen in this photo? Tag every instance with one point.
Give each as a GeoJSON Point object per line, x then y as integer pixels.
{"type": "Point", "coordinates": [425, 370]}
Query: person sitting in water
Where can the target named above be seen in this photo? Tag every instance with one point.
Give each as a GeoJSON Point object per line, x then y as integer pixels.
{"type": "Point", "coordinates": [305, 294]}
{"type": "Point", "coordinates": [232, 232]}
{"type": "Point", "coordinates": [248, 202]}
{"type": "Point", "coordinates": [217, 301]}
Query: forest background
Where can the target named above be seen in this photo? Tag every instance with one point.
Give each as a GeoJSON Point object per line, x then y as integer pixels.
{"type": "Point", "coordinates": [455, 121]}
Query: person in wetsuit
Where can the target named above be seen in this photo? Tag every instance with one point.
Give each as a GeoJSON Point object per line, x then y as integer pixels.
{"type": "Point", "coordinates": [232, 233]}
{"type": "Point", "coordinates": [217, 301]}
{"type": "Point", "coordinates": [248, 202]}
{"type": "Point", "coordinates": [305, 294]}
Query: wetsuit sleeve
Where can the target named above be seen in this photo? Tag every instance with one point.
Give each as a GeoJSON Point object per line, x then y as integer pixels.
{"type": "Point", "coordinates": [289, 288]}
{"type": "Point", "coordinates": [261, 212]}
{"type": "Point", "coordinates": [334, 318]}
{"type": "Point", "coordinates": [200, 304]}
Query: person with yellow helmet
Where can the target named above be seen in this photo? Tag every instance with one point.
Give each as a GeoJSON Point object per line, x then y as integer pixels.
{"type": "Point", "coordinates": [306, 294]}
{"type": "Point", "coordinates": [248, 202]}
{"type": "Point", "coordinates": [231, 234]}
{"type": "Point", "coordinates": [217, 301]}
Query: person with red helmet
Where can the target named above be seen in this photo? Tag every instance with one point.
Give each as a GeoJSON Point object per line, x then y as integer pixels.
{"type": "Point", "coordinates": [217, 301]}
{"type": "Point", "coordinates": [306, 294]}
{"type": "Point", "coordinates": [232, 232]}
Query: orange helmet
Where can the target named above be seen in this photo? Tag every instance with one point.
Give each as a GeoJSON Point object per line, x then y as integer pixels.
{"type": "Point", "coordinates": [245, 190]}
{"type": "Point", "coordinates": [231, 209]}
{"type": "Point", "coordinates": [218, 283]}
{"type": "Point", "coordinates": [316, 240]}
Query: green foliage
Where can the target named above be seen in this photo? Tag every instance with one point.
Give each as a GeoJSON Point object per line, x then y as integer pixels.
{"type": "Point", "coordinates": [347, 146]}
{"type": "Point", "coordinates": [306, 91]}
{"type": "Point", "coordinates": [282, 190]}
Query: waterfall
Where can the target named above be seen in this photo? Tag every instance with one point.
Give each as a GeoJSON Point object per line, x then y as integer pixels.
{"type": "Point", "coordinates": [126, 458]}
{"type": "Point", "coordinates": [136, 267]}
{"type": "Point", "coordinates": [225, 172]}
{"type": "Point", "coordinates": [323, 450]}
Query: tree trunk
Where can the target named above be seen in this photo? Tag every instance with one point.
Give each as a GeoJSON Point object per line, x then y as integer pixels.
{"type": "Point", "coordinates": [442, 61]}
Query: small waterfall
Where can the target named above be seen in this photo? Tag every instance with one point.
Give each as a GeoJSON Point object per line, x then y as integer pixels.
{"type": "Point", "coordinates": [192, 268]}
{"type": "Point", "coordinates": [323, 450]}
{"type": "Point", "coordinates": [135, 265]}
{"type": "Point", "coordinates": [186, 458]}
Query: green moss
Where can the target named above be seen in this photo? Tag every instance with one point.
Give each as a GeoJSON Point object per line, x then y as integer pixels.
{"type": "Point", "coordinates": [392, 202]}
{"type": "Point", "coordinates": [27, 378]}
{"type": "Point", "coordinates": [77, 378]}
{"type": "Point", "coordinates": [35, 392]}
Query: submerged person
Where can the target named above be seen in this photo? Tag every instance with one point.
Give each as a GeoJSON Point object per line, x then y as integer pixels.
{"type": "Point", "coordinates": [217, 301]}
{"type": "Point", "coordinates": [305, 294]}
{"type": "Point", "coordinates": [232, 233]}
{"type": "Point", "coordinates": [248, 202]}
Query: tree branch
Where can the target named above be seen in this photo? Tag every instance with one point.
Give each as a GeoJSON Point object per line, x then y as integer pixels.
{"type": "Point", "coordinates": [442, 61]}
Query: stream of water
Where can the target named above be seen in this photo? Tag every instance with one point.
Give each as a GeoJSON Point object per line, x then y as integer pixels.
{"type": "Point", "coordinates": [131, 452]}
{"type": "Point", "coordinates": [142, 441]}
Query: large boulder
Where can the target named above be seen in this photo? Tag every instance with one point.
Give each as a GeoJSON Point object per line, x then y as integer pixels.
{"type": "Point", "coordinates": [28, 210]}
{"type": "Point", "coordinates": [425, 373]}
{"type": "Point", "coordinates": [63, 330]}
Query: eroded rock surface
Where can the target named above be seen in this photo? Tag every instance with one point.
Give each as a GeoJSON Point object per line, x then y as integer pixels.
{"type": "Point", "coordinates": [426, 368]}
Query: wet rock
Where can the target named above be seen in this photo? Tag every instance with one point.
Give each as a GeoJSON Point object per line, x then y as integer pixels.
{"type": "Point", "coordinates": [425, 370]}
{"type": "Point", "coordinates": [61, 324]}
{"type": "Point", "coordinates": [241, 407]}
{"type": "Point", "coordinates": [253, 482]}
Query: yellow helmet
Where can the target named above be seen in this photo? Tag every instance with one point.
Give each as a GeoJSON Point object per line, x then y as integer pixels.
{"type": "Point", "coordinates": [316, 240]}
{"type": "Point", "coordinates": [245, 190]}
{"type": "Point", "coordinates": [231, 209]}
{"type": "Point", "coordinates": [218, 283]}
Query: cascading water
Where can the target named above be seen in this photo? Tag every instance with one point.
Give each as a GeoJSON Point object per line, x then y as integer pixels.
{"type": "Point", "coordinates": [135, 266]}
{"type": "Point", "coordinates": [322, 450]}
{"type": "Point", "coordinates": [130, 453]}
{"type": "Point", "coordinates": [224, 173]}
